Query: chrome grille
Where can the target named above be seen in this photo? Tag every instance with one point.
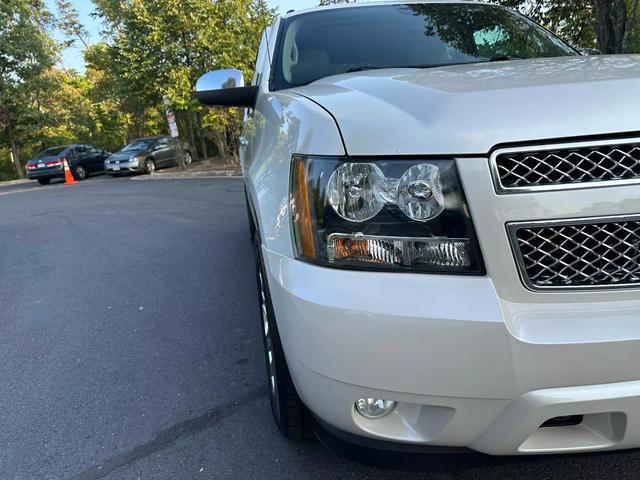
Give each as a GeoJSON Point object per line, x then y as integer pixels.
{"type": "Point", "coordinates": [560, 166]}
{"type": "Point", "coordinates": [583, 253]}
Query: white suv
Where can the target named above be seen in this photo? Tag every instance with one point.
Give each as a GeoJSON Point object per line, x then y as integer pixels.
{"type": "Point", "coordinates": [445, 200]}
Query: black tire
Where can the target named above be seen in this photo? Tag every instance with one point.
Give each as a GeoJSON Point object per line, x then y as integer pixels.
{"type": "Point", "coordinates": [44, 181]}
{"type": "Point", "coordinates": [289, 413]}
{"type": "Point", "coordinates": [80, 173]}
{"type": "Point", "coordinates": [252, 226]}
{"type": "Point", "coordinates": [149, 166]}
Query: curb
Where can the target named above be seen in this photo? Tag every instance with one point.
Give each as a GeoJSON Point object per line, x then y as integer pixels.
{"type": "Point", "coordinates": [190, 175]}
{"type": "Point", "coordinates": [14, 182]}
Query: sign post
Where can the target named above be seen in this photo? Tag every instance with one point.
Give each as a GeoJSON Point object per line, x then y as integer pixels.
{"type": "Point", "coordinates": [175, 134]}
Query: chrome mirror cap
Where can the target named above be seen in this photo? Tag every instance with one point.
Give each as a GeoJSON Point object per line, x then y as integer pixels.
{"type": "Point", "coordinates": [225, 88]}
{"type": "Point", "coordinates": [220, 80]}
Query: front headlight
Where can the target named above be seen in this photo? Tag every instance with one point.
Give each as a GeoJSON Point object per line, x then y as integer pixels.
{"type": "Point", "coordinates": [382, 214]}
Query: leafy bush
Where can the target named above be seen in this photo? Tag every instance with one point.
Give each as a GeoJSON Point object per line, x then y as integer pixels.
{"type": "Point", "coordinates": [6, 169]}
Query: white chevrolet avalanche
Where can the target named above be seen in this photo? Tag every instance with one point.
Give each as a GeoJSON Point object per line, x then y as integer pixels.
{"type": "Point", "coordinates": [445, 203]}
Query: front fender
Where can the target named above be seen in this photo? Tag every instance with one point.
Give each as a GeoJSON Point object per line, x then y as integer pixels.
{"type": "Point", "coordinates": [283, 124]}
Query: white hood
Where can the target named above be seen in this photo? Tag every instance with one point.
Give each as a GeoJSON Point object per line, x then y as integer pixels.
{"type": "Point", "coordinates": [469, 109]}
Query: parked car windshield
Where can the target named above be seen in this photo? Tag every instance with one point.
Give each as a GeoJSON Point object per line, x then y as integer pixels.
{"type": "Point", "coordinates": [137, 145]}
{"type": "Point", "coordinates": [52, 152]}
{"type": "Point", "coordinates": [324, 43]}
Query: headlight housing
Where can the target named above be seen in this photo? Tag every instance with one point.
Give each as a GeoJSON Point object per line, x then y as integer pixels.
{"type": "Point", "coordinates": [396, 214]}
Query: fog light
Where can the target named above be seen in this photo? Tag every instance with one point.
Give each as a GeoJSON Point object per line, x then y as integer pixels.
{"type": "Point", "coordinates": [374, 407]}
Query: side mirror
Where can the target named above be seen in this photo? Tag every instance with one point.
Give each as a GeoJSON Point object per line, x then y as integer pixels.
{"type": "Point", "coordinates": [589, 51]}
{"type": "Point", "coordinates": [225, 88]}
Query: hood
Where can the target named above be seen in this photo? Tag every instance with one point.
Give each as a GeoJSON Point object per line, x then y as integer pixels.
{"type": "Point", "coordinates": [126, 155]}
{"type": "Point", "coordinates": [469, 109]}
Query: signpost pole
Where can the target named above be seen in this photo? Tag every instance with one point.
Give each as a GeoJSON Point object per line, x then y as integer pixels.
{"type": "Point", "coordinates": [175, 134]}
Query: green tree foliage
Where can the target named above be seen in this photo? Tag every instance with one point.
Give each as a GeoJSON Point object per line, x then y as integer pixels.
{"type": "Point", "coordinates": [26, 54]}
{"type": "Point", "coordinates": [610, 25]}
{"type": "Point", "coordinates": [69, 23]}
{"type": "Point", "coordinates": [160, 47]}
{"type": "Point", "coordinates": [152, 49]}
{"type": "Point", "coordinates": [126, 102]}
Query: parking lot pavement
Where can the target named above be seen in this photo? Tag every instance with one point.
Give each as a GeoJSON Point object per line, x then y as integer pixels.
{"type": "Point", "coordinates": [131, 347]}
{"type": "Point", "coordinates": [7, 188]}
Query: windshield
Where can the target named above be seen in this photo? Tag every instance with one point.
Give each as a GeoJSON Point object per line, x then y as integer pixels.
{"type": "Point", "coordinates": [137, 145]}
{"type": "Point", "coordinates": [324, 43]}
{"type": "Point", "coordinates": [52, 152]}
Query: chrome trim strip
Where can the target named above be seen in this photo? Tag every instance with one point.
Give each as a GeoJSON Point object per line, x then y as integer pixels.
{"type": "Point", "coordinates": [502, 190]}
{"type": "Point", "coordinates": [513, 227]}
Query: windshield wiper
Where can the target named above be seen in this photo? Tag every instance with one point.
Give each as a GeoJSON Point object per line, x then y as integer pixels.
{"type": "Point", "coordinates": [502, 58]}
{"type": "Point", "coordinates": [363, 68]}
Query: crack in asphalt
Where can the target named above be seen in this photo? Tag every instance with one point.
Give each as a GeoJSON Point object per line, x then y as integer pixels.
{"type": "Point", "coordinates": [168, 436]}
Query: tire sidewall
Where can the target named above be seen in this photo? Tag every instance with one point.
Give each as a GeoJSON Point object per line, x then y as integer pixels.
{"type": "Point", "coordinates": [149, 166]}
{"type": "Point", "coordinates": [81, 172]}
{"type": "Point", "coordinates": [263, 288]}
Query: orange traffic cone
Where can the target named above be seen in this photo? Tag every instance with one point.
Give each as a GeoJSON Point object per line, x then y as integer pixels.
{"type": "Point", "coordinates": [68, 176]}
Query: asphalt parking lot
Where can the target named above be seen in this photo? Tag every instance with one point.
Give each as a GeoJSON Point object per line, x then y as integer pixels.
{"type": "Point", "coordinates": [131, 346]}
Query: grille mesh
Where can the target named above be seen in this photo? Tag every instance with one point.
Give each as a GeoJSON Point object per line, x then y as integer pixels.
{"type": "Point", "coordinates": [563, 166]}
{"type": "Point", "coordinates": [580, 255]}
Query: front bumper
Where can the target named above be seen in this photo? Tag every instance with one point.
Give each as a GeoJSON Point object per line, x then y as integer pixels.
{"type": "Point", "coordinates": [467, 367]}
{"type": "Point", "coordinates": [123, 167]}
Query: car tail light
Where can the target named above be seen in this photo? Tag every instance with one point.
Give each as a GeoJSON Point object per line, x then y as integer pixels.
{"type": "Point", "coordinates": [55, 163]}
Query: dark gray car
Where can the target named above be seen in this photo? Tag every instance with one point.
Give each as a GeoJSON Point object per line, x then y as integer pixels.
{"type": "Point", "coordinates": [83, 160]}
{"type": "Point", "coordinates": [146, 155]}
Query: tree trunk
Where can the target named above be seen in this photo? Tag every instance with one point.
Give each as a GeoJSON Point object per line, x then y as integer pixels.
{"type": "Point", "coordinates": [203, 143]}
{"type": "Point", "coordinates": [177, 141]}
{"type": "Point", "coordinates": [180, 152]}
{"type": "Point", "coordinates": [221, 143]}
{"type": "Point", "coordinates": [192, 136]}
{"type": "Point", "coordinates": [631, 18]}
{"type": "Point", "coordinates": [611, 23]}
{"type": "Point", "coordinates": [232, 137]}
{"type": "Point", "coordinates": [14, 151]}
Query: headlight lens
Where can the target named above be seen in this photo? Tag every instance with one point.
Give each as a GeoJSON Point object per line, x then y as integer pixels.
{"type": "Point", "coordinates": [420, 192]}
{"type": "Point", "coordinates": [354, 191]}
{"type": "Point", "coordinates": [382, 214]}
